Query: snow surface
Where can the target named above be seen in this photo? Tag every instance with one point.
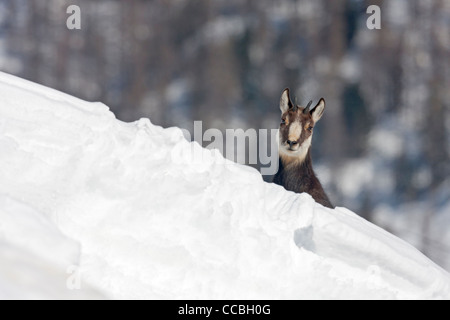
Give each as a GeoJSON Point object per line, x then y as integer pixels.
{"type": "Point", "coordinates": [128, 207]}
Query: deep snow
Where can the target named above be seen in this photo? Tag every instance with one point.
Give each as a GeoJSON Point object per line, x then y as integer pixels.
{"type": "Point", "coordinates": [128, 208]}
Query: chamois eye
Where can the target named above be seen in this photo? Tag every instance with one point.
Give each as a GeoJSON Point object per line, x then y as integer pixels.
{"type": "Point", "coordinates": [283, 121]}
{"type": "Point", "coordinates": [310, 129]}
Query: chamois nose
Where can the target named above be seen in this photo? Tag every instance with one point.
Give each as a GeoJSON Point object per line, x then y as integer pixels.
{"type": "Point", "coordinates": [291, 143]}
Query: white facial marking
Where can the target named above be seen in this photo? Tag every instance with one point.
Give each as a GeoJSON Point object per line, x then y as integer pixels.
{"type": "Point", "coordinates": [297, 156]}
{"type": "Point", "coordinates": [295, 130]}
{"type": "Point", "coordinates": [303, 150]}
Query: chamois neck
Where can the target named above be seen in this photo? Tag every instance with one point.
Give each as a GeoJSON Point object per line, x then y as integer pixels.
{"type": "Point", "coordinates": [302, 162]}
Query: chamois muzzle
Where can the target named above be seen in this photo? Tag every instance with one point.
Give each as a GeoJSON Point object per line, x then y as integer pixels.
{"type": "Point", "coordinates": [291, 143]}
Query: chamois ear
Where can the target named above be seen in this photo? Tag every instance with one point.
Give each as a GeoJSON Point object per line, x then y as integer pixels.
{"type": "Point", "coordinates": [285, 101]}
{"type": "Point", "coordinates": [318, 110]}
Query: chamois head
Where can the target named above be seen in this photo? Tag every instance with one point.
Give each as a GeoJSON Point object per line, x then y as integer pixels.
{"type": "Point", "coordinates": [296, 128]}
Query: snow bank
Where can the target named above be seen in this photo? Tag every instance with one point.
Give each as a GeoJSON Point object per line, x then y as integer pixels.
{"type": "Point", "coordinates": [125, 206]}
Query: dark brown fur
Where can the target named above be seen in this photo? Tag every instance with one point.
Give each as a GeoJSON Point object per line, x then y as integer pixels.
{"type": "Point", "coordinates": [300, 177]}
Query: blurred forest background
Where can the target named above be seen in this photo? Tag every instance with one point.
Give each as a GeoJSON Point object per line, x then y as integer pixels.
{"type": "Point", "coordinates": [382, 147]}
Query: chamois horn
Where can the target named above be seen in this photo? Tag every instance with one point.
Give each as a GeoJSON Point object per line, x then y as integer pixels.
{"type": "Point", "coordinates": [306, 110]}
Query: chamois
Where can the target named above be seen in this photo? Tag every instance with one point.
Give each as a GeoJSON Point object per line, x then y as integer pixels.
{"type": "Point", "coordinates": [295, 172]}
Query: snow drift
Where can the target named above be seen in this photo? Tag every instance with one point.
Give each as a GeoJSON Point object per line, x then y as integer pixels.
{"type": "Point", "coordinates": [121, 211]}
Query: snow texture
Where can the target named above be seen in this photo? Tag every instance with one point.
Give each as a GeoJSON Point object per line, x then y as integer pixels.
{"type": "Point", "coordinates": [127, 207]}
